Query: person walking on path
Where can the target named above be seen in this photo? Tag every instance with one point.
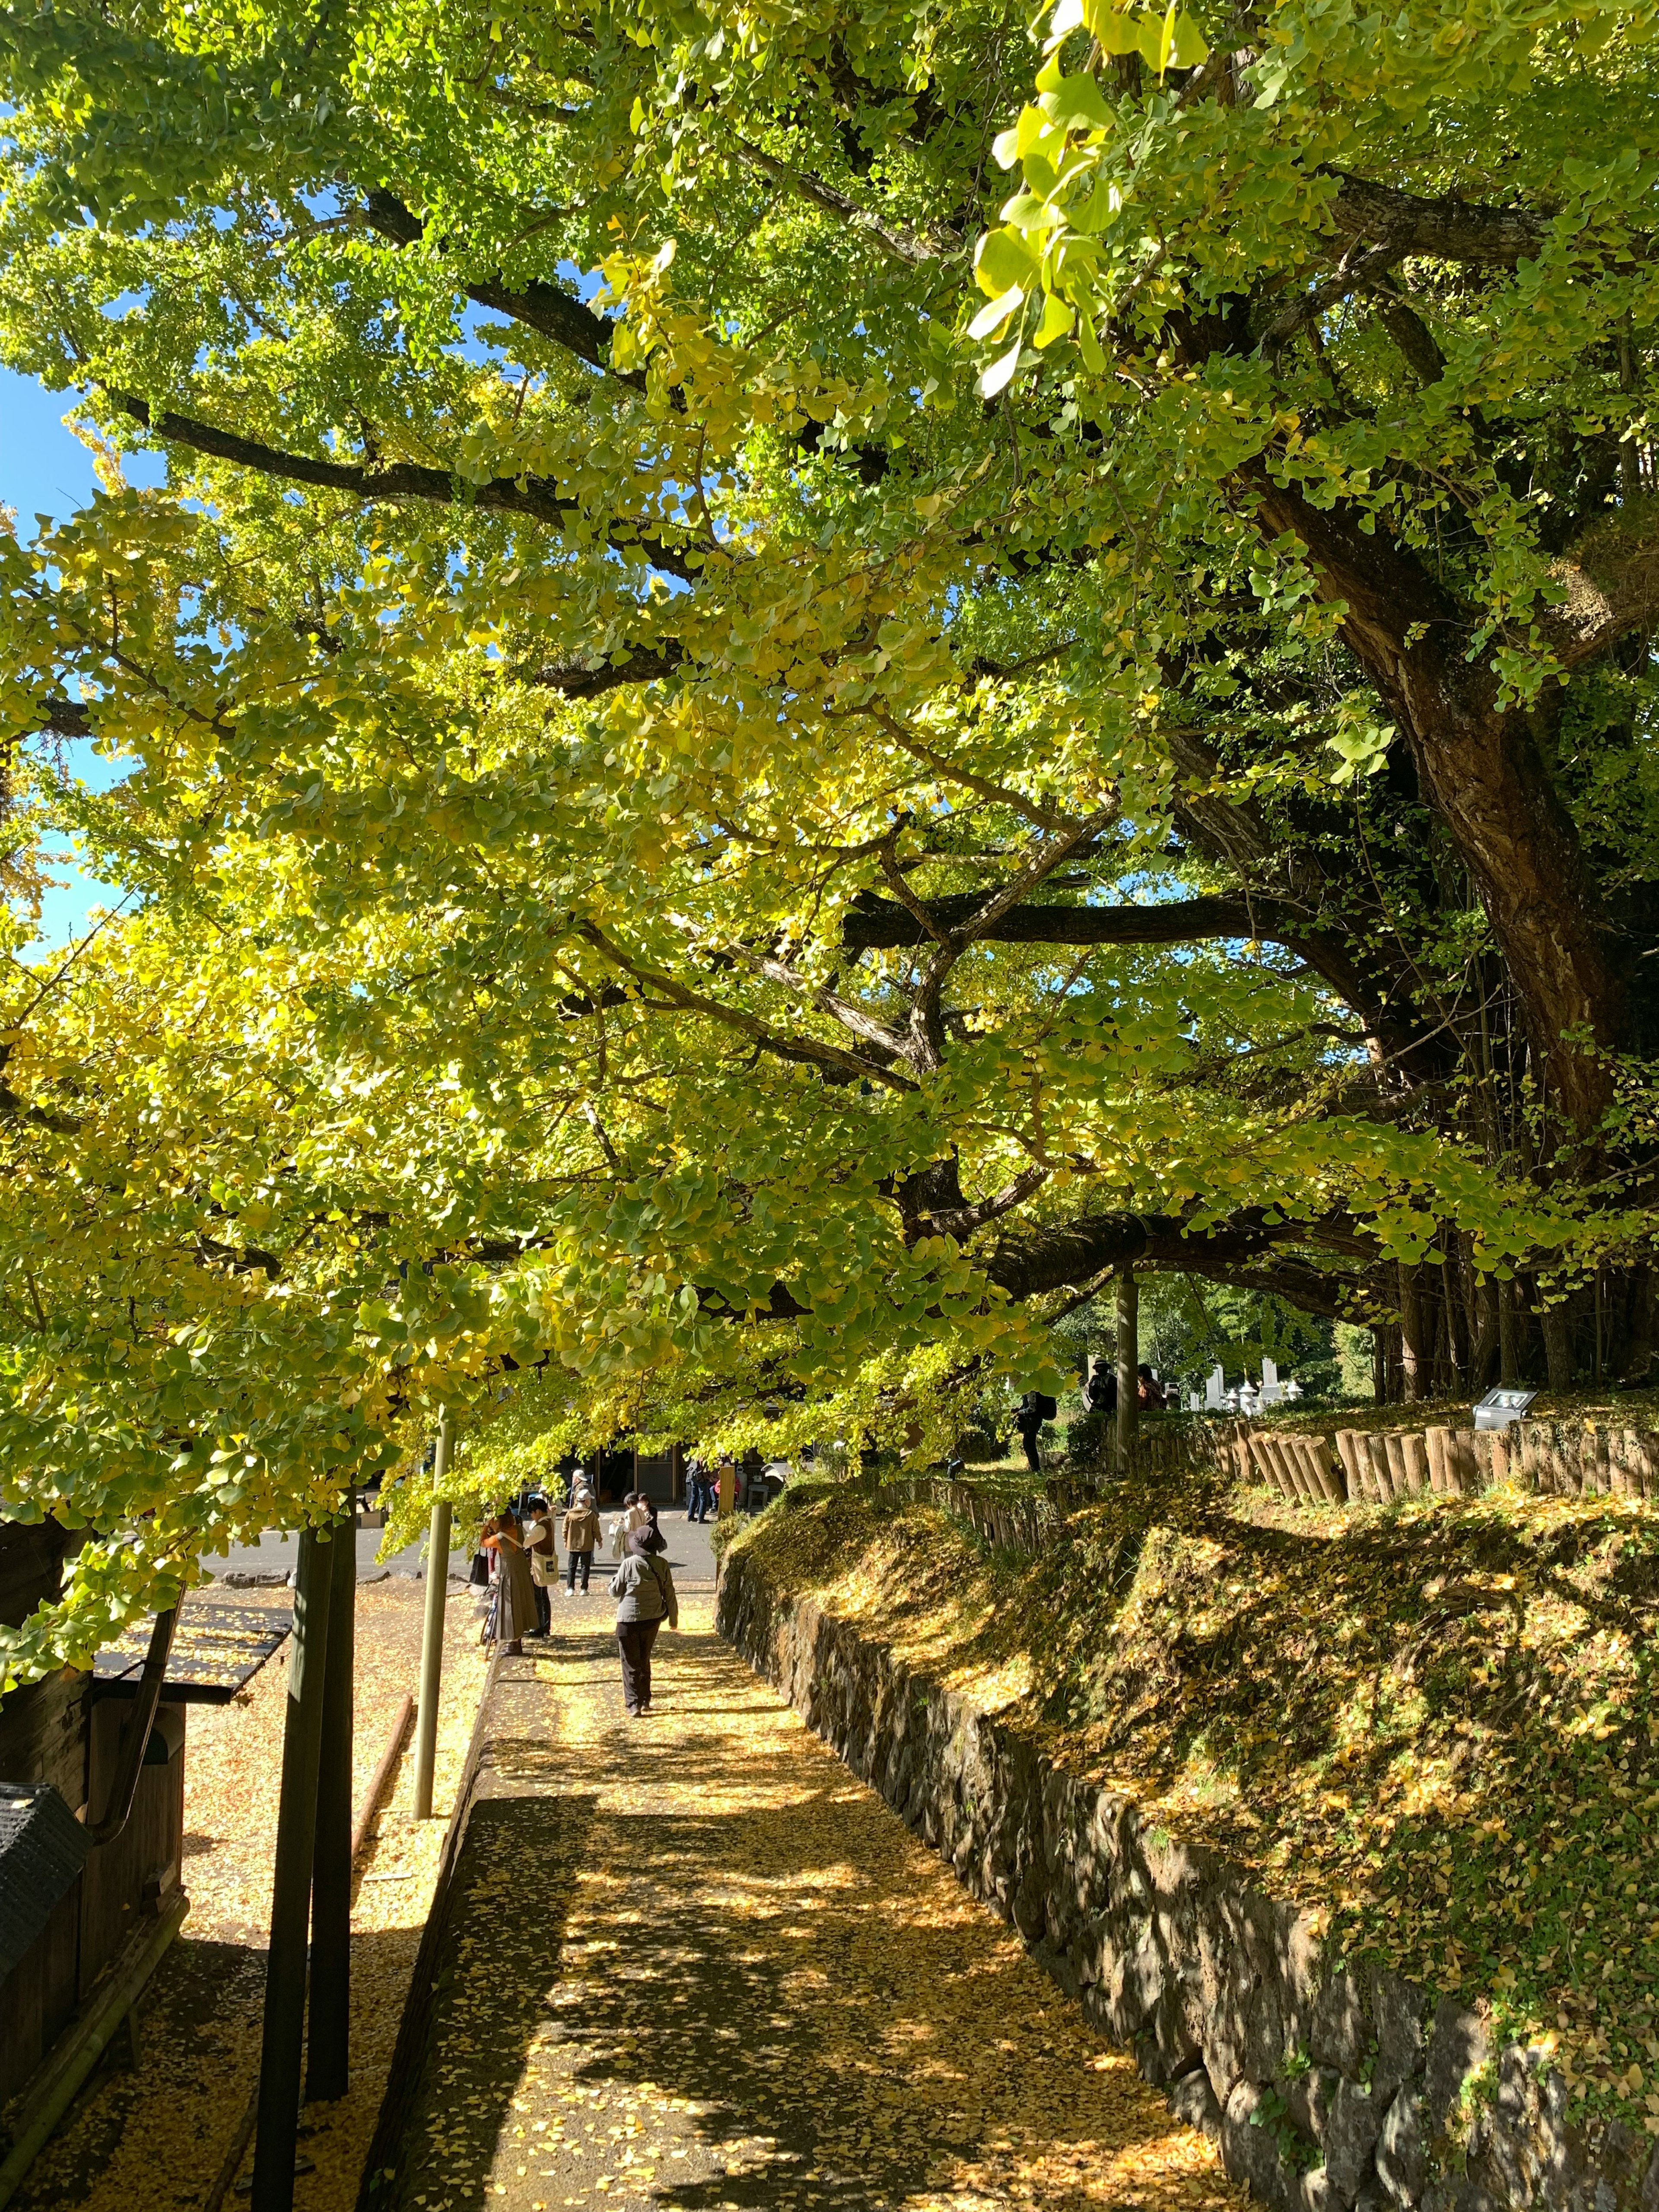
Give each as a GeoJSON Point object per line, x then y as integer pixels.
{"type": "Point", "coordinates": [644, 1590]}
{"type": "Point", "coordinates": [637, 1517]}
{"type": "Point", "coordinates": [515, 1593]}
{"type": "Point", "coordinates": [699, 1490]}
{"type": "Point", "coordinates": [651, 1533]}
{"type": "Point", "coordinates": [581, 1537]}
{"type": "Point", "coordinates": [542, 1550]}
{"type": "Point", "coordinates": [1036, 1408]}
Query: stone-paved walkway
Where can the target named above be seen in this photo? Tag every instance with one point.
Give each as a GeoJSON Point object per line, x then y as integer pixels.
{"type": "Point", "coordinates": [696, 1964]}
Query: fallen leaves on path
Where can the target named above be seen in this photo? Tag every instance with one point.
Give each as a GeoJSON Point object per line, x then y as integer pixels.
{"type": "Point", "coordinates": [1436, 1722]}
{"type": "Point", "coordinates": [696, 1964]}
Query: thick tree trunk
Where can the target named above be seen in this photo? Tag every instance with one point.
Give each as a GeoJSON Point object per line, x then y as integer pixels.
{"type": "Point", "coordinates": [1413, 1344]}
{"type": "Point", "coordinates": [1556, 1324]}
{"type": "Point", "coordinates": [1634, 1328]}
{"type": "Point", "coordinates": [1480, 768]}
{"type": "Point", "coordinates": [1451, 1333]}
{"type": "Point", "coordinates": [1128, 1368]}
{"type": "Point", "coordinates": [1509, 1334]}
{"type": "Point", "coordinates": [1385, 1364]}
{"type": "Point", "coordinates": [1483, 1358]}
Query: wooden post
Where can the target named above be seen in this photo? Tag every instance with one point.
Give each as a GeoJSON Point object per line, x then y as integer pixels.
{"type": "Point", "coordinates": [328, 2057]}
{"type": "Point", "coordinates": [432, 1633]}
{"type": "Point", "coordinates": [290, 1900]}
{"type": "Point", "coordinates": [1129, 1364]}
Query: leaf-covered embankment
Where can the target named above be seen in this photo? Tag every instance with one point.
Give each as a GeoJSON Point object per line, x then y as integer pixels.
{"type": "Point", "coordinates": [1437, 1722]}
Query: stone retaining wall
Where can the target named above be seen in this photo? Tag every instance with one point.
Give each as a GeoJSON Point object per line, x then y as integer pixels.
{"type": "Point", "coordinates": [1325, 2090]}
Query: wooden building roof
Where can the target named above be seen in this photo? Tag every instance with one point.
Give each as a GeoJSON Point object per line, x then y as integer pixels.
{"type": "Point", "coordinates": [216, 1649]}
{"type": "Point", "coordinates": [43, 1847]}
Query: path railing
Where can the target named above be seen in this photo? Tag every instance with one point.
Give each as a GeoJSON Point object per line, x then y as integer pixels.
{"type": "Point", "coordinates": [1574, 1458]}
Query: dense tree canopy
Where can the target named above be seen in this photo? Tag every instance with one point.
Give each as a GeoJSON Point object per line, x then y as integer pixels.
{"type": "Point", "coordinates": [808, 676]}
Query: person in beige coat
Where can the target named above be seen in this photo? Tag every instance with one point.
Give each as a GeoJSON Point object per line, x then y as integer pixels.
{"type": "Point", "coordinates": [581, 1536]}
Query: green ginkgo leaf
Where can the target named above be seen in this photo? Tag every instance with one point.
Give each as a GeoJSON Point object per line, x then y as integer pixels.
{"type": "Point", "coordinates": [1056, 322]}
{"type": "Point", "coordinates": [992, 316]}
{"type": "Point", "coordinates": [1001, 371]}
{"type": "Point", "coordinates": [1004, 262]}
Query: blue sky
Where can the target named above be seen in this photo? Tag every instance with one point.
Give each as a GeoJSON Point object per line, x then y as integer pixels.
{"type": "Point", "coordinates": [46, 469]}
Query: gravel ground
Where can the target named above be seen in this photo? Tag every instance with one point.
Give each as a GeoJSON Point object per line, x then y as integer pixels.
{"type": "Point", "coordinates": [694, 1964]}
{"type": "Point", "coordinates": [155, 2139]}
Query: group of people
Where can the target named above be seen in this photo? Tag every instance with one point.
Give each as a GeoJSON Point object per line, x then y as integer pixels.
{"type": "Point", "coordinates": [519, 1554]}
{"type": "Point", "coordinates": [1099, 1395]}
{"type": "Point", "coordinates": [1100, 1391]}
{"type": "Point", "coordinates": [702, 1489]}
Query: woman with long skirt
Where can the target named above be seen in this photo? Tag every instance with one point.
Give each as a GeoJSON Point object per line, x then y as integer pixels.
{"type": "Point", "coordinates": [515, 1593]}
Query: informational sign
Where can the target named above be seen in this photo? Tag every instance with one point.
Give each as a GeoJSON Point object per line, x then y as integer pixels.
{"type": "Point", "coordinates": [1501, 1407]}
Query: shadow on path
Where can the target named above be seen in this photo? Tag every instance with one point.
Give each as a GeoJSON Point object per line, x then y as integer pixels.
{"type": "Point", "coordinates": [693, 1963]}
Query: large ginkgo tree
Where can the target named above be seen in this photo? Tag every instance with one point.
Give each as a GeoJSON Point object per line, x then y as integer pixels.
{"type": "Point", "coordinates": [883, 661]}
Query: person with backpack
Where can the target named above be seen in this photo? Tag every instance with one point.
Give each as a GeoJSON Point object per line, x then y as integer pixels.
{"type": "Point", "coordinates": [1100, 1392]}
{"type": "Point", "coordinates": [644, 1590]}
{"type": "Point", "coordinates": [1036, 1408]}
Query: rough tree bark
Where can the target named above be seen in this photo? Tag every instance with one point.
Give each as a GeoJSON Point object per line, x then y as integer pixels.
{"type": "Point", "coordinates": [1480, 768]}
{"type": "Point", "coordinates": [1127, 1309]}
{"type": "Point", "coordinates": [1414, 1349]}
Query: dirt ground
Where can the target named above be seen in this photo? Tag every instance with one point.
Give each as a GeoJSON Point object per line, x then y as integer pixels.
{"type": "Point", "coordinates": [155, 2139]}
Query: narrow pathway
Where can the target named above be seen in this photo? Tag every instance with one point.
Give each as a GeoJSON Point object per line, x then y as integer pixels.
{"type": "Point", "coordinates": [696, 1964]}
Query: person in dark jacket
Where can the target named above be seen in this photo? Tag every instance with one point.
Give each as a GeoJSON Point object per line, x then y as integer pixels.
{"type": "Point", "coordinates": [1035, 1408]}
{"type": "Point", "coordinates": [1101, 1396]}
{"type": "Point", "coordinates": [644, 1590]}
{"type": "Point", "coordinates": [699, 1489]}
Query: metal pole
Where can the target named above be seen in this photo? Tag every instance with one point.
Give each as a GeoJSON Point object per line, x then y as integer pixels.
{"type": "Point", "coordinates": [1128, 1366]}
{"type": "Point", "coordinates": [290, 1900]}
{"type": "Point", "coordinates": [432, 1635]}
{"type": "Point", "coordinates": [328, 2054]}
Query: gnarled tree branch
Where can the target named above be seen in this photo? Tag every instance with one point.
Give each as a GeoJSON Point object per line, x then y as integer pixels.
{"type": "Point", "coordinates": [875, 923]}
{"type": "Point", "coordinates": [544, 308]}
{"type": "Point", "coordinates": [913, 248]}
{"type": "Point", "coordinates": [1449, 230]}
{"type": "Point", "coordinates": [1612, 582]}
{"type": "Point", "coordinates": [533, 496]}
{"type": "Point", "coordinates": [806, 1050]}
{"type": "Point", "coordinates": [576, 680]}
